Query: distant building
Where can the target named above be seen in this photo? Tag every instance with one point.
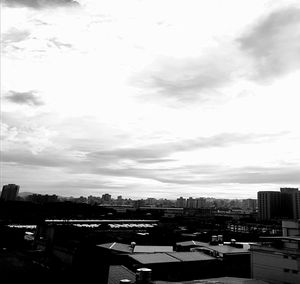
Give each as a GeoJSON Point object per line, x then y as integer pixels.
{"type": "Point", "coordinates": [181, 202]}
{"type": "Point", "coordinates": [41, 199]}
{"type": "Point", "coordinates": [201, 202]}
{"type": "Point", "coordinates": [191, 203]}
{"type": "Point", "coordinates": [106, 198]}
{"type": "Point", "coordinates": [249, 204]}
{"type": "Point", "coordinates": [283, 204]}
{"type": "Point", "coordinates": [10, 192]}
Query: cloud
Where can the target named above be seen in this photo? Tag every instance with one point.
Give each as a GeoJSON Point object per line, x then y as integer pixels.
{"type": "Point", "coordinates": [40, 4]}
{"type": "Point", "coordinates": [32, 138]}
{"type": "Point", "coordinates": [154, 161]}
{"type": "Point", "coordinates": [60, 44]}
{"type": "Point", "coordinates": [274, 44]}
{"type": "Point", "coordinates": [14, 35]}
{"type": "Point", "coordinates": [24, 98]}
{"type": "Point", "coordinates": [196, 78]}
{"type": "Point", "coordinates": [157, 152]}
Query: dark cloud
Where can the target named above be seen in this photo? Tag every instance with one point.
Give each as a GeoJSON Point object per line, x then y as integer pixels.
{"type": "Point", "coordinates": [24, 98]}
{"type": "Point", "coordinates": [274, 44]}
{"type": "Point", "coordinates": [40, 4]}
{"type": "Point", "coordinates": [189, 78]}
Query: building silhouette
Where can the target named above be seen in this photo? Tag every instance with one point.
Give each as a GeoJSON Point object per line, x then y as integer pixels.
{"type": "Point", "coordinates": [283, 204]}
{"type": "Point", "coordinates": [10, 192]}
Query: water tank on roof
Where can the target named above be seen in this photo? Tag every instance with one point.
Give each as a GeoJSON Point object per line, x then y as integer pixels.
{"type": "Point", "coordinates": [214, 239]}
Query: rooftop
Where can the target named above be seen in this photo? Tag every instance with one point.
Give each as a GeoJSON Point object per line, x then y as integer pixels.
{"type": "Point", "coordinates": [226, 248]}
{"type": "Point", "coordinates": [150, 258]}
{"type": "Point", "coordinates": [119, 272]}
{"type": "Point", "coordinates": [125, 248]}
{"type": "Point", "coordinates": [170, 257]}
{"type": "Point", "coordinates": [221, 280]}
{"type": "Point", "coordinates": [191, 256]}
{"type": "Point", "coordinates": [152, 249]}
{"type": "Point", "coordinates": [118, 247]}
{"type": "Point", "coordinates": [188, 243]}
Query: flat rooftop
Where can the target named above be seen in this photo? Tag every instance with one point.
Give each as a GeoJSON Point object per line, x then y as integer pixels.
{"type": "Point", "coordinates": [152, 249]}
{"type": "Point", "coordinates": [220, 280]}
{"type": "Point", "coordinates": [118, 247]}
{"type": "Point", "coordinates": [226, 248]}
{"type": "Point", "coordinates": [171, 257]}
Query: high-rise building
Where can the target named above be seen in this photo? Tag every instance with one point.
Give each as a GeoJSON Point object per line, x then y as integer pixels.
{"type": "Point", "coordinates": [201, 202]}
{"type": "Point", "coordinates": [106, 198]}
{"type": "Point", "coordinates": [10, 192]}
{"type": "Point", "coordinates": [191, 203]}
{"type": "Point", "coordinates": [284, 204]}
{"type": "Point", "coordinates": [181, 202]}
{"type": "Point", "coordinates": [269, 204]}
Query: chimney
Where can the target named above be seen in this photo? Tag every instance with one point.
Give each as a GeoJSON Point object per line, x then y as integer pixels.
{"type": "Point", "coordinates": [132, 245]}
{"type": "Point", "coordinates": [143, 276]}
{"type": "Point", "coordinates": [220, 239]}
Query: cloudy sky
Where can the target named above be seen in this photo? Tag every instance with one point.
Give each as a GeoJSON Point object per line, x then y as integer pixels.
{"type": "Point", "coordinates": [150, 98]}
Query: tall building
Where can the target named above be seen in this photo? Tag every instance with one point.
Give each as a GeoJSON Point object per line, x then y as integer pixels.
{"type": "Point", "coordinates": [10, 192]}
{"type": "Point", "coordinates": [191, 203]}
{"type": "Point", "coordinates": [106, 198]}
{"type": "Point", "coordinates": [291, 201]}
{"type": "Point", "coordinates": [269, 204]}
{"type": "Point", "coordinates": [283, 204]}
{"type": "Point", "coordinates": [181, 202]}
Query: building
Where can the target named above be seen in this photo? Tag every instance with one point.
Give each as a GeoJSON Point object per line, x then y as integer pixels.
{"type": "Point", "coordinates": [176, 266]}
{"type": "Point", "coordinates": [290, 228]}
{"type": "Point", "coordinates": [292, 201]}
{"type": "Point", "coordinates": [181, 202]}
{"type": "Point", "coordinates": [235, 256]}
{"type": "Point", "coordinates": [276, 260]}
{"type": "Point", "coordinates": [41, 199]}
{"type": "Point", "coordinates": [283, 204]}
{"type": "Point", "coordinates": [106, 198]}
{"type": "Point", "coordinates": [249, 204]}
{"type": "Point", "coordinates": [269, 204]}
{"type": "Point", "coordinates": [10, 192]}
{"type": "Point", "coordinates": [191, 203]}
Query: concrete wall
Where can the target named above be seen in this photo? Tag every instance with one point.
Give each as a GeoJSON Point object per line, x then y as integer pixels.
{"type": "Point", "coordinates": [275, 267]}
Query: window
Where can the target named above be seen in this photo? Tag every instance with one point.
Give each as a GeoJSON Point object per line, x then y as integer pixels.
{"type": "Point", "coordinates": [286, 270]}
{"type": "Point", "coordinates": [295, 271]}
{"type": "Point", "coordinates": [285, 256]}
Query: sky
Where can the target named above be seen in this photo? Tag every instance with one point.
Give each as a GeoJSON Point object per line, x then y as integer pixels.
{"type": "Point", "coordinates": [150, 98]}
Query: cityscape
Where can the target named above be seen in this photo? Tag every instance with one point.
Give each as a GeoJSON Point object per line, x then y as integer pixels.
{"type": "Point", "coordinates": [151, 240]}
{"type": "Point", "coordinates": [150, 141]}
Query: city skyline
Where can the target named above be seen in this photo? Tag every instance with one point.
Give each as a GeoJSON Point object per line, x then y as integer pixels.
{"type": "Point", "coordinates": [150, 98]}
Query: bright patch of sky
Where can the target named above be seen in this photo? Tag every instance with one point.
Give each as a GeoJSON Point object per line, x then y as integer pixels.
{"type": "Point", "coordinates": [150, 98]}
